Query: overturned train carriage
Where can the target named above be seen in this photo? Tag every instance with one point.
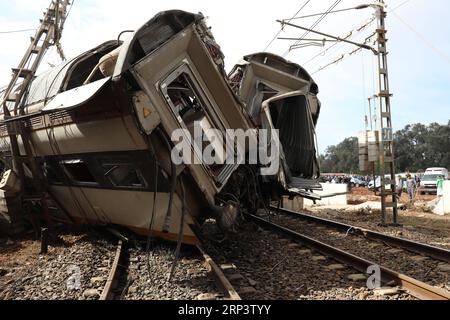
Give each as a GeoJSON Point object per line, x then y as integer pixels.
{"type": "Point", "coordinates": [281, 95]}
{"type": "Point", "coordinates": [101, 125]}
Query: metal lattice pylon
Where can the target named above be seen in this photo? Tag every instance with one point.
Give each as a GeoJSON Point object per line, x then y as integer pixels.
{"type": "Point", "coordinates": [48, 33]}
{"type": "Point", "coordinates": [387, 159]}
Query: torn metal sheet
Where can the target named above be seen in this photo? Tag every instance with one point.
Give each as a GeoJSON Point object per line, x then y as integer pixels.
{"type": "Point", "coordinates": [76, 97]}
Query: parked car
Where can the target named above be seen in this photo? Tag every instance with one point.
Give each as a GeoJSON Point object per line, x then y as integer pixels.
{"type": "Point", "coordinates": [429, 179]}
{"type": "Point", "coordinates": [357, 182]}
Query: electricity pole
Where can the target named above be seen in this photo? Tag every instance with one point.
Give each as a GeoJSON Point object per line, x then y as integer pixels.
{"type": "Point", "coordinates": [386, 135]}
{"type": "Point", "coordinates": [384, 123]}
{"type": "Point", "coordinates": [47, 34]}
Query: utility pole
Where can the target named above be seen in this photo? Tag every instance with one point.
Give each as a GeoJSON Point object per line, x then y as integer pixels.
{"type": "Point", "coordinates": [48, 34]}
{"type": "Point", "coordinates": [386, 135]}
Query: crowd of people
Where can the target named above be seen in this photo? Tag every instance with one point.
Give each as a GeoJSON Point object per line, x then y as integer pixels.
{"type": "Point", "coordinates": [346, 179]}
{"type": "Point", "coordinates": [408, 183]}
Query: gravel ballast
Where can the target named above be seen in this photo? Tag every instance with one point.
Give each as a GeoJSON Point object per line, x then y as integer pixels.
{"type": "Point", "coordinates": [424, 269]}
{"type": "Point", "coordinates": [75, 270]}
{"type": "Point", "coordinates": [271, 267]}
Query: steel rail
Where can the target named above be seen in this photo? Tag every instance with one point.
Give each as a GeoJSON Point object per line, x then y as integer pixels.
{"type": "Point", "coordinates": [222, 282]}
{"type": "Point", "coordinates": [107, 293]}
{"type": "Point", "coordinates": [414, 287]}
{"type": "Point", "coordinates": [417, 247]}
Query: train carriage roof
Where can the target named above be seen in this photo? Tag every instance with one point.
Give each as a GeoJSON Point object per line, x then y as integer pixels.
{"type": "Point", "coordinates": [147, 38]}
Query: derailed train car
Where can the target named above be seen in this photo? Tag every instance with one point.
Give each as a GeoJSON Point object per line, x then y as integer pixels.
{"type": "Point", "coordinates": [281, 95]}
{"type": "Point", "coordinates": [101, 125]}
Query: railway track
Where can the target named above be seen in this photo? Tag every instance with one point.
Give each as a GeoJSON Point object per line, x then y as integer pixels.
{"type": "Point", "coordinates": [112, 281]}
{"type": "Point", "coordinates": [266, 265]}
{"type": "Point", "coordinates": [420, 261]}
{"type": "Point", "coordinates": [221, 280]}
{"type": "Point", "coordinates": [414, 287]}
{"type": "Point", "coordinates": [413, 246]}
{"type": "Point", "coordinates": [119, 281]}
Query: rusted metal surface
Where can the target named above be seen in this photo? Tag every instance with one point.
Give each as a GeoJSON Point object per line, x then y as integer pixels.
{"type": "Point", "coordinates": [421, 248]}
{"type": "Point", "coordinates": [222, 282]}
{"type": "Point", "coordinates": [107, 293]}
{"type": "Point", "coordinates": [414, 287]}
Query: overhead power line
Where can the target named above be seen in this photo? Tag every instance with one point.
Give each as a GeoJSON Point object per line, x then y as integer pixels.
{"type": "Point", "coordinates": [363, 6]}
{"type": "Point", "coordinates": [347, 54]}
{"type": "Point", "coordinates": [281, 29]}
{"type": "Point", "coordinates": [315, 24]}
{"type": "Point", "coordinates": [349, 35]}
{"type": "Point", "coordinates": [350, 53]}
{"type": "Point", "coordinates": [361, 45]}
{"type": "Point", "coordinates": [400, 5]}
{"type": "Point", "coordinates": [16, 31]}
{"type": "Point", "coordinates": [423, 39]}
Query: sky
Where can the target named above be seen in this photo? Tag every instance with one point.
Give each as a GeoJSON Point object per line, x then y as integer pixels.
{"type": "Point", "coordinates": [419, 63]}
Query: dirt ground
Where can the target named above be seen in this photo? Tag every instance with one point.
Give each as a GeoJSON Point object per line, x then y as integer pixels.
{"type": "Point", "coordinates": [361, 195]}
{"type": "Point", "coordinates": [417, 224]}
{"type": "Point", "coordinates": [25, 250]}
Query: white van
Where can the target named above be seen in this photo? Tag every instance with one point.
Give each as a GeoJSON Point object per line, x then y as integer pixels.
{"type": "Point", "coordinates": [429, 179]}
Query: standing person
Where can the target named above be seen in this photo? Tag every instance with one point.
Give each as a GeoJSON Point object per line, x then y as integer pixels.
{"type": "Point", "coordinates": [399, 188]}
{"type": "Point", "coordinates": [411, 187]}
{"type": "Point", "coordinates": [440, 186]}
{"type": "Point", "coordinates": [417, 180]}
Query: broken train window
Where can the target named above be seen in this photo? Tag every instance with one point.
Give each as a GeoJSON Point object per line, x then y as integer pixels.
{"type": "Point", "coordinates": [123, 175]}
{"type": "Point", "coordinates": [78, 172]}
{"type": "Point", "coordinates": [192, 108]}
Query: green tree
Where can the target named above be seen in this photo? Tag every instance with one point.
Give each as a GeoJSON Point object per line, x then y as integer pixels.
{"type": "Point", "coordinates": [417, 147]}
{"type": "Point", "coordinates": [341, 158]}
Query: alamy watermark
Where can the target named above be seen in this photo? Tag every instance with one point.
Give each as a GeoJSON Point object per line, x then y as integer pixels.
{"type": "Point", "coordinates": [374, 280]}
{"type": "Point", "coordinates": [210, 147]}
{"type": "Point", "coordinates": [73, 282]}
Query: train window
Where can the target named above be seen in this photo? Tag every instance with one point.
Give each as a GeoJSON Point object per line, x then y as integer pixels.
{"type": "Point", "coordinates": [124, 175]}
{"type": "Point", "coordinates": [78, 171]}
{"type": "Point", "coordinates": [184, 99]}
{"type": "Point", "coordinates": [192, 109]}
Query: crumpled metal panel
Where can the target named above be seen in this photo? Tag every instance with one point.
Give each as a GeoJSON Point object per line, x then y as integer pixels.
{"type": "Point", "coordinates": [279, 63]}
{"type": "Point", "coordinates": [306, 184]}
{"type": "Point", "coordinates": [77, 96]}
{"type": "Point", "coordinates": [152, 34]}
{"type": "Point", "coordinates": [47, 84]}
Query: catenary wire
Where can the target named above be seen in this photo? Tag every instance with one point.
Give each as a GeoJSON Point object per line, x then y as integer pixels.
{"type": "Point", "coordinates": [281, 29]}
{"type": "Point", "coordinates": [315, 24]}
